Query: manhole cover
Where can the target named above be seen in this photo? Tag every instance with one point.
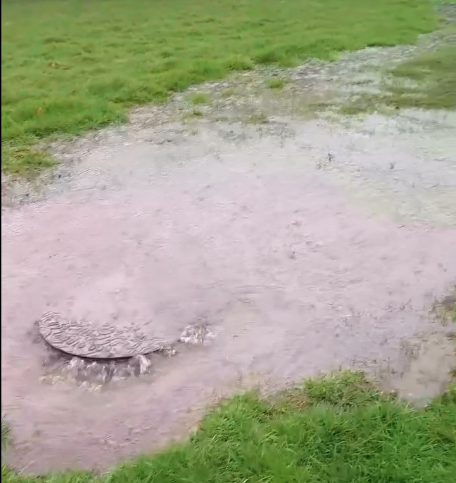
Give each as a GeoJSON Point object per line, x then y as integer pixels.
{"type": "Point", "coordinates": [88, 340]}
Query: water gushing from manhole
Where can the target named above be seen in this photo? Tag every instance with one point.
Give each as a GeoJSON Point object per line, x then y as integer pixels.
{"type": "Point", "coordinates": [94, 356]}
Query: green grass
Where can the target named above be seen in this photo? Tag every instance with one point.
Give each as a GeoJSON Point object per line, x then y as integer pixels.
{"type": "Point", "coordinates": [338, 429]}
{"type": "Point", "coordinates": [199, 99]}
{"type": "Point", "coordinates": [5, 435]}
{"type": "Point", "coordinates": [69, 66]}
{"type": "Point", "coordinates": [275, 83]}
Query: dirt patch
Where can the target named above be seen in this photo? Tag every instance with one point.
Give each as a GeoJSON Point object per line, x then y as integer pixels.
{"type": "Point", "coordinates": [306, 244]}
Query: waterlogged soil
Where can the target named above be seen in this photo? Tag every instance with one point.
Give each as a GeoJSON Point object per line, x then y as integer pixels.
{"type": "Point", "coordinates": [305, 242]}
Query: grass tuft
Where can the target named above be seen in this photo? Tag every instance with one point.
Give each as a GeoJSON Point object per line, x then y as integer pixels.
{"type": "Point", "coordinates": [275, 83]}
{"type": "Point", "coordinates": [199, 99]}
{"type": "Point", "coordinates": [5, 434]}
{"type": "Point", "coordinates": [24, 160]}
{"type": "Point", "coordinates": [257, 118]}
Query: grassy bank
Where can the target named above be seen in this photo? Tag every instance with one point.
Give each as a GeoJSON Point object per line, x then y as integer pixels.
{"type": "Point", "coordinates": [73, 65]}
{"type": "Point", "coordinates": [338, 429]}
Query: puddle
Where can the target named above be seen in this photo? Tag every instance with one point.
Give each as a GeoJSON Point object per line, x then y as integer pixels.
{"type": "Point", "coordinates": [428, 367]}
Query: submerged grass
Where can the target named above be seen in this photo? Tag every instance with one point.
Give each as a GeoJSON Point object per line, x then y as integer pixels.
{"type": "Point", "coordinates": [427, 81]}
{"type": "Point", "coordinates": [434, 74]}
{"type": "Point", "coordinates": [445, 309]}
{"type": "Point", "coordinates": [5, 434]}
{"type": "Point", "coordinates": [332, 430]}
{"type": "Point", "coordinates": [68, 66]}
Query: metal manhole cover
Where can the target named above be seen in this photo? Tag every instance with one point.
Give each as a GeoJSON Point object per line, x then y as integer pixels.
{"type": "Point", "coordinates": [88, 340]}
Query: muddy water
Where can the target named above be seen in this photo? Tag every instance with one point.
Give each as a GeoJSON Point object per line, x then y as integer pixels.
{"type": "Point", "coordinates": [304, 246]}
{"type": "Point", "coordinates": [426, 360]}
{"type": "Point", "coordinates": [293, 276]}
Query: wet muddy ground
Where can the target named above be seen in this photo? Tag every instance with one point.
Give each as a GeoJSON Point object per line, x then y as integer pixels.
{"type": "Point", "coordinates": [303, 242]}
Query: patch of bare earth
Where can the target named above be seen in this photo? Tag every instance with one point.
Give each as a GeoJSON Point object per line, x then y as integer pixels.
{"type": "Point", "coordinates": [304, 242]}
